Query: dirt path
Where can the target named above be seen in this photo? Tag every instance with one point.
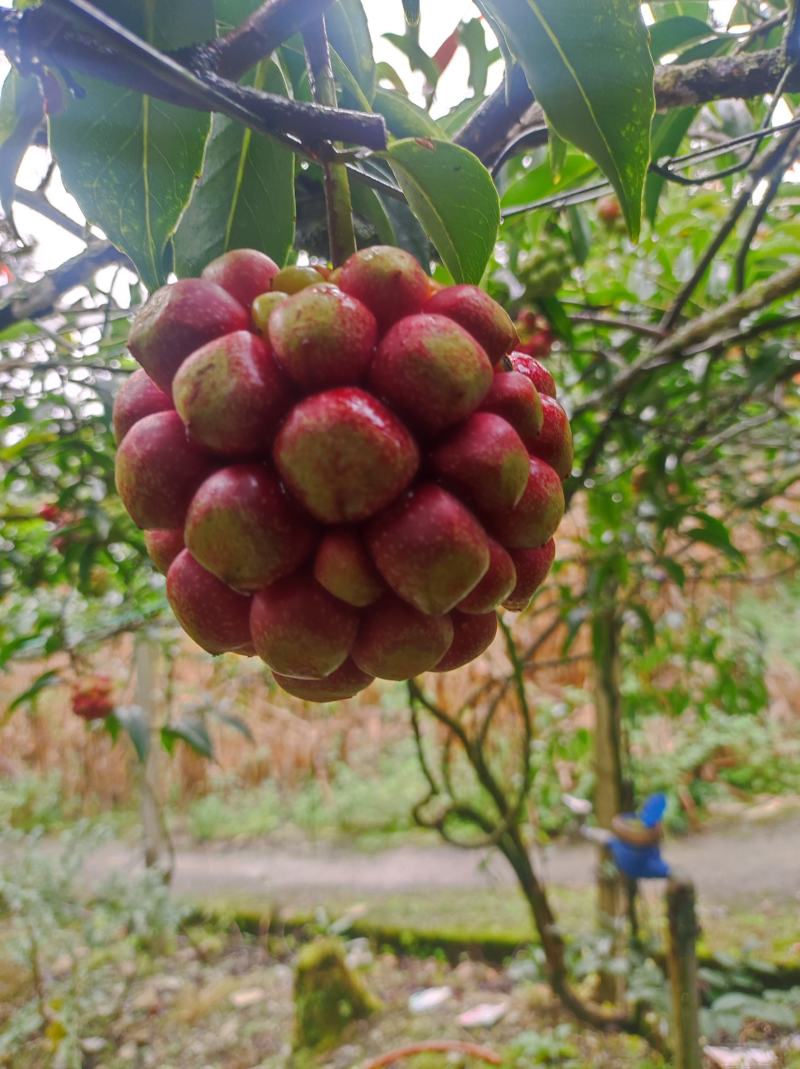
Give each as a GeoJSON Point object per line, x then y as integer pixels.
{"type": "Point", "coordinates": [746, 862]}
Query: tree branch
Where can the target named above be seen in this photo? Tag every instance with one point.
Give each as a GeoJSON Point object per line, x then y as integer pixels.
{"type": "Point", "coordinates": [274, 22]}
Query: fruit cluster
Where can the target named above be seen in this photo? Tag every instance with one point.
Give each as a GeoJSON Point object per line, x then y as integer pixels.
{"type": "Point", "coordinates": [93, 700]}
{"type": "Point", "coordinates": [535, 335]}
{"type": "Point", "coordinates": [543, 270]}
{"type": "Point", "coordinates": [345, 475]}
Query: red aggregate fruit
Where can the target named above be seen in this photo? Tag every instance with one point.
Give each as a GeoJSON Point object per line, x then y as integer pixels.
{"type": "Point", "coordinates": [396, 641]}
{"type": "Point", "coordinates": [488, 323]}
{"type": "Point", "coordinates": [179, 319]}
{"type": "Point", "coordinates": [93, 699]}
{"type": "Point", "coordinates": [158, 470]}
{"type": "Point", "coordinates": [388, 281]}
{"type": "Point", "coordinates": [347, 681]}
{"type": "Point", "coordinates": [244, 273]}
{"type": "Point", "coordinates": [322, 337]}
{"type": "Point", "coordinates": [216, 617]}
{"type": "Point", "coordinates": [244, 529]}
{"type": "Point", "coordinates": [301, 630]}
{"type": "Point", "coordinates": [232, 395]}
{"type": "Point", "coordinates": [532, 567]}
{"type": "Point", "coordinates": [344, 455]}
{"type": "Point", "coordinates": [472, 634]}
{"type": "Point", "coordinates": [554, 441]}
{"type": "Point", "coordinates": [346, 473]}
{"type": "Point", "coordinates": [429, 548]}
{"type": "Point", "coordinates": [431, 371]}
{"type": "Point", "coordinates": [137, 398]}
{"type": "Point", "coordinates": [163, 547]}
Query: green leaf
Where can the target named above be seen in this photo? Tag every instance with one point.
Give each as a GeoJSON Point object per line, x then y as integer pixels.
{"type": "Point", "coordinates": [193, 732]}
{"type": "Point", "coordinates": [370, 207]}
{"type": "Point", "coordinates": [236, 723]}
{"type": "Point", "coordinates": [538, 182]}
{"type": "Point", "coordinates": [418, 58]}
{"type": "Point", "coordinates": [670, 34]}
{"type": "Point", "coordinates": [135, 724]}
{"type": "Point", "coordinates": [558, 154]}
{"type": "Point", "coordinates": [27, 696]}
{"type": "Point", "coordinates": [21, 115]}
{"type": "Point", "coordinates": [129, 160]}
{"type": "Point", "coordinates": [592, 72]}
{"type": "Point", "coordinates": [453, 196]}
{"type": "Point", "coordinates": [473, 38]}
{"type": "Point", "coordinates": [668, 133]}
{"type": "Point", "coordinates": [245, 198]}
{"type": "Point", "coordinates": [348, 30]}
{"type": "Point", "coordinates": [403, 117]}
{"type": "Point", "coordinates": [411, 11]}
{"type": "Point", "coordinates": [713, 532]}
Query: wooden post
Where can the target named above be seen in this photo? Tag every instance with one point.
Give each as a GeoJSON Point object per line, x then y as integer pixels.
{"type": "Point", "coordinates": [157, 847]}
{"type": "Point", "coordinates": [682, 966]}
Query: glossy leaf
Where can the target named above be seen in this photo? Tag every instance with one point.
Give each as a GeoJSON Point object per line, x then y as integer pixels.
{"type": "Point", "coordinates": [245, 198]}
{"type": "Point", "coordinates": [403, 117]}
{"type": "Point", "coordinates": [592, 72]}
{"type": "Point", "coordinates": [136, 726]}
{"type": "Point", "coordinates": [192, 731]}
{"type": "Point", "coordinates": [348, 30]}
{"type": "Point", "coordinates": [129, 160]}
{"type": "Point", "coordinates": [454, 198]}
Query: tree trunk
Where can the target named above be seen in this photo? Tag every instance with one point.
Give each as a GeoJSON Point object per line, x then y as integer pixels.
{"type": "Point", "coordinates": [158, 852]}
{"type": "Point", "coordinates": [608, 770]}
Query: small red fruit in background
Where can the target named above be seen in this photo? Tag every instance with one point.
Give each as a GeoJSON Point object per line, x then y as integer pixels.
{"type": "Point", "coordinates": [93, 699]}
{"type": "Point", "coordinates": [346, 473]}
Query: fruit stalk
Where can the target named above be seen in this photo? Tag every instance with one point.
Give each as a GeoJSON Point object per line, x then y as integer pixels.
{"type": "Point", "coordinates": [337, 185]}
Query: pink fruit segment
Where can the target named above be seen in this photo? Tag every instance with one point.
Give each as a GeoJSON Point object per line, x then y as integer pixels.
{"type": "Point", "coordinates": [431, 371]}
{"type": "Point", "coordinates": [322, 337]}
{"type": "Point", "coordinates": [388, 281]}
{"type": "Point", "coordinates": [344, 455]}
{"type": "Point", "coordinates": [538, 374]}
{"type": "Point", "coordinates": [343, 566]}
{"type": "Point", "coordinates": [429, 548]}
{"type": "Point", "coordinates": [554, 441]}
{"type": "Point", "coordinates": [244, 273]}
{"type": "Point", "coordinates": [163, 547]}
{"type": "Point", "coordinates": [158, 471]}
{"type": "Point", "coordinates": [540, 510]}
{"type": "Point", "coordinates": [395, 641]}
{"type": "Point", "coordinates": [345, 682]}
{"type": "Point", "coordinates": [137, 398]}
{"type": "Point", "coordinates": [532, 566]}
{"type": "Point", "coordinates": [488, 323]}
{"type": "Point", "coordinates": [244, 529]}
{"type": "Point", "coordinates": [514, 397]}
{"type": "Point", "coordinates": [216, 617]}
{"type": "Point", "coordinates": [496, 585]}
{"type": "Point", "coordinates": [179, 319]}
{"type": "Point", "coordinates": [471, 636]}
{"type": "Point", "coordinates": [231, 395]}
{"type": "Point", "coordinates": [300, 630]}
{"type": "Point", "coordinates": [484, 461]}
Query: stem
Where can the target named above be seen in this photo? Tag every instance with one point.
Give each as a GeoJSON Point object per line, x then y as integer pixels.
{"type": "Point", "coordinates": [443, 1047]}
{"type": "Point", "coordinates": [682, 967]}
{"type": "Point", "coordinates": [341, 231]}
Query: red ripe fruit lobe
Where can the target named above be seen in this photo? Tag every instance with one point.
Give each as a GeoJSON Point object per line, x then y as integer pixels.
{"type": "Point", "coordinates": [322, 337]}
{"type": "Point", "coordinates": [540, 510]}
{"type": "Point", "coordinates": [429, 548]}
{"type": "Point", "coordinates": [431, 371]}
{"type": "Point", "coordinates": [179, 319]}
{"type": "Point", "coordinates": [484, 461]}
{"type": "Point", "coordinates": [496, 585]}
{"type": "Point", "coordinates": [244, 529]}
{"type": "Point", "coordinates": [488, 323]}
{"type": "Point", "coordinates": [163, 547]}
{"type": "Point", "coordinates": [395, 641]}
{"type": "Point", "coordinates": [514, 397]}
{"type": "Point", "coordinates": [137, 398]}
{"type": "Point", "coordinates": [345, 682]}
{"type": "Point", "coordinates": [538, 374]}
{"type": "Point", "coordinates": [216, 617]}
{"type": "Point", "coordinates": [554, 441]}
{"type": "Point", "coordinates": [532, 566]}
{"type": "Point", "coordinates": [300, 630]}
{"type": "Point", "coordinates": [343, 566]}
{"type": "Point", "coordinates": [344, 455]}
{"type": "Point", "coordinates": [471, 636]}
{"type": "Point", "coordinates": [231, 395]}
{"type": "Point", "coordinates": [158, 471]}
{"type": "Point", "coordinates": [388, 281]}
{"type": "Point", "coordinates": [244, 273]}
